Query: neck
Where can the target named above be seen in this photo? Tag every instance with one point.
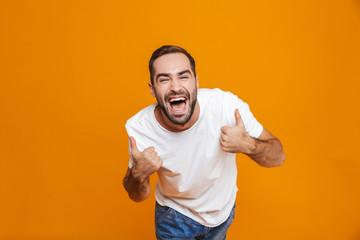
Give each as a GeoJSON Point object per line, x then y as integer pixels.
{"type": "Point", "coordinates": [168, 125]}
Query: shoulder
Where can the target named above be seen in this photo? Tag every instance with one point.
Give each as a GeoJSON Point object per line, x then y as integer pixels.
{"type": "Point", "coordinates": [141, 117]}
{"type": "Point", "coordinates": [206, 94]}
{"type": "Point", "coordinates": [220, 103]}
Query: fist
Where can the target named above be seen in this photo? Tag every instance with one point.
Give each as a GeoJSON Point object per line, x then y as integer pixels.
{"type": "Point", "coordinates": [235, 139]}
{"type": "Point", "coordinates": [145, 163]}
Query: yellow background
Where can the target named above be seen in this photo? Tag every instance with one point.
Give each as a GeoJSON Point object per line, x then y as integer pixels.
{"type": "Point", "coordinates": [73, 72]}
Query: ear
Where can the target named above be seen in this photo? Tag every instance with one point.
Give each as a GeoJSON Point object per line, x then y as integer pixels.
{"type": "Point", "coordinates": [197, 81]}
{"type": "Point", "coordinates": [152, 90]}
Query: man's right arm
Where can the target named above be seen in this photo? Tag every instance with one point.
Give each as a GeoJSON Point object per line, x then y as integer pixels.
{"type": "Point", "coordinates": [137, 178]}
{"type": "Point", "coordinates": [138, 189]}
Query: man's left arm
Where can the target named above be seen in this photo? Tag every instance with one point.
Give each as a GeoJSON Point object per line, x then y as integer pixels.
{"type": "Point", "coordinates": [266, 150]}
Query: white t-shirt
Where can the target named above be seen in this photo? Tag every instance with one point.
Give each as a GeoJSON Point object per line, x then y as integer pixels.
{"type": "Point", "coordinates": [197, 178]}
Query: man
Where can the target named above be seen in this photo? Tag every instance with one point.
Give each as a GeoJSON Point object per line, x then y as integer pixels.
{"type": "Point", "coordinates": [190, 138]}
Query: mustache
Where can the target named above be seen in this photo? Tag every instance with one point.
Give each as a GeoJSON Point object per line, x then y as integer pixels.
{"type": "Point", "coordinates": [181, 92]}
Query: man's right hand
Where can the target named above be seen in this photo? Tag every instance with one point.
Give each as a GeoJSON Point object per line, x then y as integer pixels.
{"type": "Point", "coordinates": [145, 163]}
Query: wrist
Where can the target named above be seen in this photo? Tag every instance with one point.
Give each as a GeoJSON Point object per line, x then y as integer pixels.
{"type": "Point", "coordinates": [251, 146]}
{"type": "Point", "coordinates": [137, 176]}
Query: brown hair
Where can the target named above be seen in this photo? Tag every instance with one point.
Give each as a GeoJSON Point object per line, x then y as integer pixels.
{"type": "Point", "coordinates": [167, 49]}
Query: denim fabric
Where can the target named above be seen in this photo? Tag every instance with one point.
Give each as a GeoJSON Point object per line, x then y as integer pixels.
{"type": "Point", "coordinates": [170, 224]}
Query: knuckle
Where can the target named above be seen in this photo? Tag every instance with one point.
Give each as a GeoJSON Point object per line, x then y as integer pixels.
{"type": "Point", "coordinates": [148, 157]}
{"type": "Point", "coordinates": [226, 149]}
{"type": "Point", "coordinates": [149, 150]}
{"type": "Point", "coordinates": [135, 157]}
{"type": "Point", "coordinates": [159, 163]}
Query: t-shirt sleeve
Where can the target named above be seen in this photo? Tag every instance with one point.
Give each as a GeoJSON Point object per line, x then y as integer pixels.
{"type": "Point", "coordinates": [129, 132]}
{"type": "Point", "coordinates": [140, 127]}
{"type": "Point", "coordinates": [130, 158]}
{"type": "Point", "coordinates": [232, 102]}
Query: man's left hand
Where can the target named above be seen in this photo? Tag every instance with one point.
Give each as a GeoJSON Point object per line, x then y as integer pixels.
{"type": "Point", "coordinates": [235, 139]}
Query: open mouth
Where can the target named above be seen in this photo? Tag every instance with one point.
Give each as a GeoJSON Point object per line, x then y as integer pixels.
{"type": "Point", "coordinates": [178, 104]}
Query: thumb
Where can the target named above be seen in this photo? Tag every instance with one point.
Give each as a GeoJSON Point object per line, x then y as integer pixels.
{"type": "Point", "coordinates": [238, 118]}
{"type": "Point", "coordinates": [134, 149]}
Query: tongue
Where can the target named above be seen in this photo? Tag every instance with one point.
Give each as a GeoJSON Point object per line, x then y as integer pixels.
{"type": "Point", "coordinates": [178, 106]}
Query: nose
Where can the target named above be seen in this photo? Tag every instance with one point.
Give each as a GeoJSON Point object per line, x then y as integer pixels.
{"type": "Point", "coordinates": [175, 85]}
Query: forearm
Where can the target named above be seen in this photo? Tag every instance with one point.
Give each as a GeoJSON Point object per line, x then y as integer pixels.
{"type": "Point", "coordinates": [267, 153]}
{"type": "Point", "coordinates": [138, 189]}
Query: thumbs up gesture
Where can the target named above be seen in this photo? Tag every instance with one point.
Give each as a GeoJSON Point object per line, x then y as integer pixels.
{"type": "Point", "coordinates": [145, 163]}
{"type": "Point", "coordinates": [235, 139]}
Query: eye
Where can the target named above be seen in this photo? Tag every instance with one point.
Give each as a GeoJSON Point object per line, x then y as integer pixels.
{"type": "Point", "coordinates": [184, 77]}
{"type": "Point", "coordinates": [163, 80]}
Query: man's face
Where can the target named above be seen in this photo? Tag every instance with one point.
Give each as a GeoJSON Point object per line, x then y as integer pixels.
{"type": "Point", "coordinates": [175, 87]}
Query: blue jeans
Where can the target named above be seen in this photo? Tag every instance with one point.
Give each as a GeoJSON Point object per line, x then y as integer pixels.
{"type": "Point", "coordinates": [170, 224]}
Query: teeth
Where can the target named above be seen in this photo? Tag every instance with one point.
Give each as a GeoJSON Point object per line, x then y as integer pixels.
{"type": "Point", "coordinates": [177, 99]}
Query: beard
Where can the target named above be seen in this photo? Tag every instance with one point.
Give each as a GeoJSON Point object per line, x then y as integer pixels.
{"type": "Point", "coordinates": [181, 119]}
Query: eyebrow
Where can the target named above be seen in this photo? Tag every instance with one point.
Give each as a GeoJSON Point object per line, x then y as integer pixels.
{"type": "Point", "coordinates": [168, 75]}
{"type": "Point", "coordinates": [183, 72]}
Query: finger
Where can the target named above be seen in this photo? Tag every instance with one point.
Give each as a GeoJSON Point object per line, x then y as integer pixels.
{"type": "Point", "coordinates": [150, 154]}
{"type": "Point", "coordinates": [223, 137]}
{"type": "Point", "coordinates": [149, 149]}
{"type": "Point", "coordinates": [156, 160]}
{"type": "Point", "coordinates": [226, 149]}
{"type": "Point", "coordinates": [154, 155]}
{"type": "Point", "coordinates": [223, 148]}
{"type": "Point", "coordinates": [224, 128]}
{"type": "Point", "coordinates": [134, 148]}
{"type": "Point", "coordinates": [222, 142]}
{"type": "Point", "coordinates": [159, 163]}
{"type": "Point", "coordinates": [238, 118]}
